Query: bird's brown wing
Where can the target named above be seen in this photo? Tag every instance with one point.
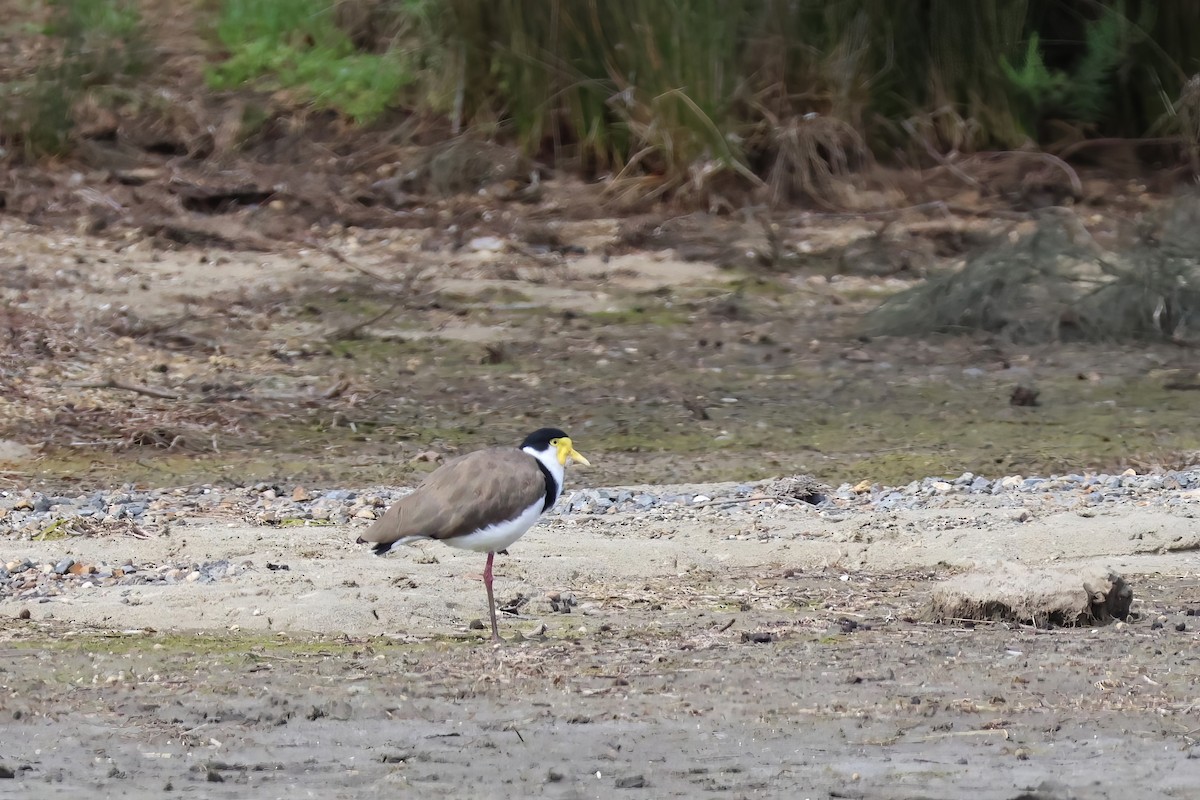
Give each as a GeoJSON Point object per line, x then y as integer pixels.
{"type": "Point", "coordinates": [462, 496]}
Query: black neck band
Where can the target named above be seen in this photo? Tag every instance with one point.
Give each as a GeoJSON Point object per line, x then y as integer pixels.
{"type": "Point", "coordinates": [551, 486]}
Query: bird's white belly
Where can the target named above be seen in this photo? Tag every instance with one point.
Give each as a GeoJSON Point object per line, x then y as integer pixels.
{"type": "Point", "coordinates": [499, 536]}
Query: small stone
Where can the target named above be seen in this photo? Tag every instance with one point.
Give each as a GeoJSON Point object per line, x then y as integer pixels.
{"type": "Point", "coordinates": [7, 772]}
{"type": "Point", "coordinates": [300, 494]}
{"type": "Point", "coordinates": [631, 782]}
{"type": "Point", "coordinates": [1181, 626]}
{"type": "Point", "coordinates": [486, 244]}
{"type": "Point", "coordinates": [475, 625]}
{"type": "Point", "coordinates": [23, 614]}
{"type": "Point", "coordinates": [61, 567]}
{"type": "Point", "coordinates": [553, 776]}
{"type": "Point", "coordinates": [212, 776]}
{"type": "Point", "coordinates": [193, 576]}
{"type": "Point", "coordinates": [701, 498]}
{"type": "Point", "coordinates": [366, 513]}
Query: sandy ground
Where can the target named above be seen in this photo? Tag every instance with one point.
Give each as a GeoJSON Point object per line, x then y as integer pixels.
{"type": "Point", "coordinates": [348, 675]}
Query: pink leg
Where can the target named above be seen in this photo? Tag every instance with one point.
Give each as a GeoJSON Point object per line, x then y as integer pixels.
{"type": "Point", "coordinates": [487, 582]}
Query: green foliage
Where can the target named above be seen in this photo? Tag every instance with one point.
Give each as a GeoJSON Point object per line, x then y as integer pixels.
{"type": "Point", "coordinates": [1106, 43]}
{"type": "Point", "coordinates": [1082, 93]}
{"type": "Point", "coordinates": [96, 44]}
{"type": "Point", "coordinates": [103, 41]}
{"type": "Point", "coordinates": [676, 96]}
{"type": "Point", "coordinates": [1041, 87]}
{"type": "Point", "coordinates": [295, 44]}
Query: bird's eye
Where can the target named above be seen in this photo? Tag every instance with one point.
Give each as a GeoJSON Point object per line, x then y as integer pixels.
{"type": "Point", "coordinates": [554, 442]}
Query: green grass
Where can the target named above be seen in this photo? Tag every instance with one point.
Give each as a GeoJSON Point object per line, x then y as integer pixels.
{"type": "Point", "coordinates": [295, 44]}
{"type": "Point", "coordinates": [689, 95]}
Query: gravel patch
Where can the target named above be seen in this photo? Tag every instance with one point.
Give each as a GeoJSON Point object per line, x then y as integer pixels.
{"type": "Point", "coordinates": [142, 513]}
{"type": "Point", "coordinates": [150, 513]}
{"type": "Point", "coordinates": [40, 582]}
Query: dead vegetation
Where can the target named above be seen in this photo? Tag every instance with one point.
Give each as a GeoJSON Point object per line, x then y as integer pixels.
{"type": "Point", "coordinates": [1055, 283]}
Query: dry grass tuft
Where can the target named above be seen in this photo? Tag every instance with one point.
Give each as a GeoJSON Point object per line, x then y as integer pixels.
{"type": "Point", "coordinates": [807, 155]}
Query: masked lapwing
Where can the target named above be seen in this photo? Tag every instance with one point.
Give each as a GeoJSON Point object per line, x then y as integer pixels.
{"type": "Point", "coordinates": [483, 501]}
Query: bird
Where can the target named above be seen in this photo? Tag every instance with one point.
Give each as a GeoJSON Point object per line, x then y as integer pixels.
{"type": "Point", "coordinates": [483, 501]}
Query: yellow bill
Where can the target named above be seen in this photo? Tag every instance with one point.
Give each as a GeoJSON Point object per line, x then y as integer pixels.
{"type": "Point", "coordinates": [567, 450]}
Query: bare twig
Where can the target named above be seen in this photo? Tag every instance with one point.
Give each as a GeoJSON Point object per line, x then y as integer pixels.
{"type": "Point", "coordinates": [733, 501]}
{"type": "Point", "coordinates": [946, 164]}
{"type": "Point", "coordinates": [137, 388]}
{"type": "Point", "coordinates": [933, 205]}
{"type": "Point", "coordinates": [1072, 149]}
{"type": "Point", "coordinates": [1072, 176]}
{"type": "Point", "coordinates": [341, 259]}
{"type": "Point", "coordinates": [351, 331]}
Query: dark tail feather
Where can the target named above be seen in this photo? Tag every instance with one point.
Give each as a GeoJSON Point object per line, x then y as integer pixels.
{"type": "Point", "coordinates": [381, 548]}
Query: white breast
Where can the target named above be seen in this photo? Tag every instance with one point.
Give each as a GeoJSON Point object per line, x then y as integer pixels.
{"type": "Point", "coordinates": [500, 535]}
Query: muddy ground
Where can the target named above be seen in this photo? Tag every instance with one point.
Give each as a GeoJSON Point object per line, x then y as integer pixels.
{"type": "Point", "coordinates": [162, 333]}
